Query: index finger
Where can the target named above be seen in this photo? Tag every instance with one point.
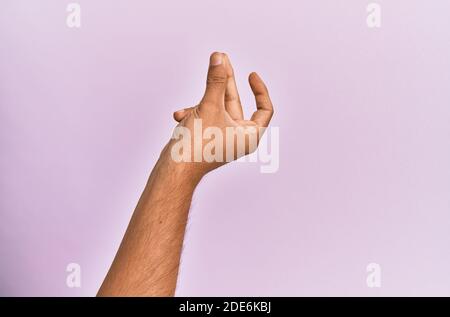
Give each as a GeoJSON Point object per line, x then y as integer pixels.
{"type": "Point", "coordinates": [264, 106]}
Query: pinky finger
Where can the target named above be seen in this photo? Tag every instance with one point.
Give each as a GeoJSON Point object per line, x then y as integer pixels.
{"type": "Point", "coordinates": [179, 115]}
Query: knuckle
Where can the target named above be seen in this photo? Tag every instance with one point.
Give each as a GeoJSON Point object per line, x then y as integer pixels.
{"type": "Point", "coordinates": [216, 79]}
{"type": "Point", "coordinates": [231, 97]}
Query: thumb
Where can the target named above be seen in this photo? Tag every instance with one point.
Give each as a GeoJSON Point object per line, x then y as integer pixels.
{"type": "Point", "coordinates": [216, 82]}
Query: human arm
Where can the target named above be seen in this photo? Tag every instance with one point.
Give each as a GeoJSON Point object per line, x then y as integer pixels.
{"type": "Point", "coordinates": [147, 261]}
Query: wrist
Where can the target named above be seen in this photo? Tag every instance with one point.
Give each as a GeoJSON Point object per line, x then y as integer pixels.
{"type": "Point", "coordinates": [185, 172]}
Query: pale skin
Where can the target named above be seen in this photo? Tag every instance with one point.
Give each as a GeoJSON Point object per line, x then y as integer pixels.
{"type": "Point", "coordinates": [148, 258]}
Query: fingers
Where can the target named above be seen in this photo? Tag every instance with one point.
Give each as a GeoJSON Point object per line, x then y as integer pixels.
{"type": "Point", "coordinates": [216, 82]}
{"type": "Point", "coordinates": [179, 115]}
{"type": "Point", "coordinates": [221, 91]}
{"type": "Point", "coordinates": [264, 111]}
{"type": "Point", "coordinates": [232, 100]}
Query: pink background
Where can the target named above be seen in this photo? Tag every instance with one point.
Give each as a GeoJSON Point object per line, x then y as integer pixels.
{"type": "Point", "coordinates": [364, 117]}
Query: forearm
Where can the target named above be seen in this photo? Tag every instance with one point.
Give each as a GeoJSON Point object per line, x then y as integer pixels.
{"type": "Point", "coordinates": [148, 258]}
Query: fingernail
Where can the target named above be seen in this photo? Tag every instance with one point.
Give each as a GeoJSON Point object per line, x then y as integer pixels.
{"type": "Point", "coordinates": [216, 59]}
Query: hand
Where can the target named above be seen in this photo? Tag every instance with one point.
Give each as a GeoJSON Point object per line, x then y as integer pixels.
{"type": "Point", "coordinates": [148, 258]}
{"type": "Point", "coordinates": [220, 109]}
